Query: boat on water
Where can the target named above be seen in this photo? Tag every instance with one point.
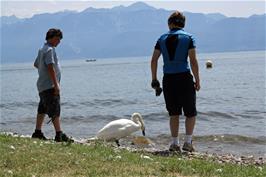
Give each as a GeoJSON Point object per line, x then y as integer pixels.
{"type": "Point", "coordinates": [90, 60]}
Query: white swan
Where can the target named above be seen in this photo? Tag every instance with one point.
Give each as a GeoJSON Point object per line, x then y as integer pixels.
{"type": "Point", "coordinates": [120, 128]}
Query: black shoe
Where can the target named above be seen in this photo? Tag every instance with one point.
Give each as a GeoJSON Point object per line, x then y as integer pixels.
{"type": "Point", "coordinates": [188, 147]}
{"type": "Point", "coordinates": [62, 137]}
{"type": "Point", "coordinates": [38, 135]}
{"type": "Point", "coordinates": [175, 148]}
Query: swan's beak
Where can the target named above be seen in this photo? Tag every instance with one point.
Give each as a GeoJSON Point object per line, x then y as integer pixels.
{"type": "Point", "coordinates": [143, 132]}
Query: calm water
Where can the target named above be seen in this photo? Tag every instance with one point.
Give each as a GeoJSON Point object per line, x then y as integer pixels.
{"type": "Point", "coordinates": [231, 100]}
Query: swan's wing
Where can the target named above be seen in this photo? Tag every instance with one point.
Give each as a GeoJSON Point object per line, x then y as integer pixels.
{"type": "Point", "coordinates": [117, 129]}
{"type": "Point", "coordinates": [116, 124]}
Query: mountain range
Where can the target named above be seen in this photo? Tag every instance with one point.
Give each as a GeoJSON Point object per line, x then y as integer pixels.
{"type": "Point", "coordinates": [124, 32]}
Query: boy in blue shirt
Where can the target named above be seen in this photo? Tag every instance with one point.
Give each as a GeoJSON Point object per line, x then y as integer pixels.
{"type": "Point", "coordinates": [178, 85]}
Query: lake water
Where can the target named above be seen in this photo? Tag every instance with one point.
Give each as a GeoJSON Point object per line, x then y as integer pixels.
{"type": "Point", "coordinates": [231, 102]}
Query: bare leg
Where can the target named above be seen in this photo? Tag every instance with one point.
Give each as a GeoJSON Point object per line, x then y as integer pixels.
{"type": "Point", "coordinates": [60, 136]}
{"type": "Point", "coordinates": [190, 123]}
{"type": "Point", "coordinates": [38, 129]}
{"type": "Point", "coordinates": [174, 125]}
{"type": "Point", "coordinates": [56, 123]}
{"type": "Point", "coordinates": [39, 121]}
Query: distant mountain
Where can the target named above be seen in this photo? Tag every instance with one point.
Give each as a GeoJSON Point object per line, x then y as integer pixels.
{"type": "Point", "coordinates": [138, 6]}
{"type": "Point", "coordinates": [7, 20]}
{"type": "Point", "coordinates": [216, 16]}
{"type": "Point", "coordinates": [125, 31]}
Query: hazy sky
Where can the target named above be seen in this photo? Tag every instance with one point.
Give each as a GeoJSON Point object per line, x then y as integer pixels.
{"type": "Point", "coordinates": [229, 8]}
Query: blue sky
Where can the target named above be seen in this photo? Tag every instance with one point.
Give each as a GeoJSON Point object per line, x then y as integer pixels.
{"type": "Point", "coordinates": [235, 8]}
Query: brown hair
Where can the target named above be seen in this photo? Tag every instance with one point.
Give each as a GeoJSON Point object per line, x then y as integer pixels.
{"type": "Point", "coordinates": [177, 19]}
{"type": "Point", "coordinates": [53, 32]}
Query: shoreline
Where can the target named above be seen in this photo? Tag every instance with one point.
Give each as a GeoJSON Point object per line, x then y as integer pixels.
{"type": "Point", "coordinates": [23, 156]}
{"type": "Point", "coordinates": [212, 144]}
{"type": "Point", "coordinates": [139, 144]}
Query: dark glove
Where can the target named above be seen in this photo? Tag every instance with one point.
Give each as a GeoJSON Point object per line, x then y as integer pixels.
{"type": "Point", "coordinates": [155, 84]}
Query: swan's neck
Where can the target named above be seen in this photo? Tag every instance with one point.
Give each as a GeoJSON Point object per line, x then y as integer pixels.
{"type": "Point", "coordinates": [138, 120]}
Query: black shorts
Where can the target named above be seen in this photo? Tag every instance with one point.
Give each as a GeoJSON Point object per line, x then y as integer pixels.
{"type": "Point", "coordinates": [180, 94]}
{"type": "Point", "coordinates": [49, 103]}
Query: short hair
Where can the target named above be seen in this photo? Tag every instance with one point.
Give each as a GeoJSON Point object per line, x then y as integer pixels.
{"type": "Point", "coordinates": [177, 18]}
{"type": "Point", "coordinates": [53, 32]}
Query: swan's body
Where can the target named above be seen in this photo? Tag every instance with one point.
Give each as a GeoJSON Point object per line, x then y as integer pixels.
{"type": "Point", "coordinates": [120, 128]}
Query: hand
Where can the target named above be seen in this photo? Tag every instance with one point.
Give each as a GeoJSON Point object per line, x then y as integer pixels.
{"type": "Point", "coordinates": [155, 84]}
{"type": "Point", "coordinates": [158, 91]}
{"type": "Point", "coordinates": [56, 89]}
{"type": "Point", "coordinates": [197, 85]}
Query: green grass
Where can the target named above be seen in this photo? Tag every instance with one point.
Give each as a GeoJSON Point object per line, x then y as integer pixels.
{"type": "Point", "coordinates": [26, 157]}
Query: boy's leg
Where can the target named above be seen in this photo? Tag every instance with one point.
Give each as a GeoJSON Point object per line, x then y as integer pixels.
{"type": "Point", "coordinates": [54, 109]}
{"type": "Point", "coordinates": [60, 136]}
{"type": "Point", "coordinates": [56, 123]}
{"type": "Point", "coordinates": [190, 111]}
{"type": "Point", "coordinates": [190, 123]}
{"type": "Point", "coordinates": [174, 125]}
{"type": "Point", "coordinates": [38, 129]}
{"type": "Point", "coordinates": [39, 121]}
{"type": "Point", "coordinates": [172, 101]}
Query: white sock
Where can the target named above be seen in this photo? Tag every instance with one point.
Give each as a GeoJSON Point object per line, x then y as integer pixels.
{"type": "Point", "coordinates": [175, 140]}
{"type": "Point", "coordinates": [188, 139]}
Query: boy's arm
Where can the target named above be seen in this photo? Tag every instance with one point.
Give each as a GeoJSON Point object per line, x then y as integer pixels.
{"type": "Point", "coordinates": [154, 63]}
{"type": "Point", "coordinates": [194, 67]}
{"type": "Point", "coordinates": [52, 75]}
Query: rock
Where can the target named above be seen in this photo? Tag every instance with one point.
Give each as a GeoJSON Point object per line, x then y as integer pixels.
{"type": "Point", "coordinates": [145, 157]}
{"type": "Point", "coordinates": [219, 170]}
{"type": "Point", "coordinates": [118, 157]}
{"type": "Point", "coordinates": [140, 140]}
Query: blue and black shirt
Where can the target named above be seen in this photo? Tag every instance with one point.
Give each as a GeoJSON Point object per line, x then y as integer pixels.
{"type": "Point", "coordinates": [174, 46]}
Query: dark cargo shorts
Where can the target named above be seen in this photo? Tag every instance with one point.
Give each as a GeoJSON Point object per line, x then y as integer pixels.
{"type": "Point", "coordinates": [49, 103]}
{"type": "Point", "coordinates": [180, 94]}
